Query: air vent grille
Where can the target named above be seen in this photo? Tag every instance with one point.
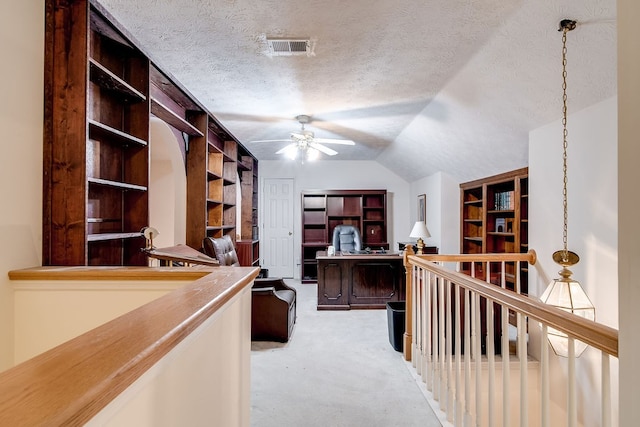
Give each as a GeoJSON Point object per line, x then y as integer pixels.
{"type": "Point", "coordinates": [289, 47]}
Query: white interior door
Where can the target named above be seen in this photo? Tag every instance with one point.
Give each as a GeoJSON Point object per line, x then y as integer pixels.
{"type": "Point", "coordinates": [277, 230]}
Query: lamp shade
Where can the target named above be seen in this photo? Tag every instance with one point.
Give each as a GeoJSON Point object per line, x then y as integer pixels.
{"type": "Point", "coordinates": [420, 231]}
{"type": "Point", "coordinates": [567, 294]}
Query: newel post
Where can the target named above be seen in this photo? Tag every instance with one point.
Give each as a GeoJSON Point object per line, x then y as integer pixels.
{"type": "Point", "coordinates": [408, 325]}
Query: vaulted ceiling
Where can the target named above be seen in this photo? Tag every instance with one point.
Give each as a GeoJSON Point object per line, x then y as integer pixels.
{"type": "Point", "coordinates": [421, 86]}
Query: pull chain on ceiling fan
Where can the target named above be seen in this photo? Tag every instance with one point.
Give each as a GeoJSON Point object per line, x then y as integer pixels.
{"type": "Point", "coordinates": [306, 144]}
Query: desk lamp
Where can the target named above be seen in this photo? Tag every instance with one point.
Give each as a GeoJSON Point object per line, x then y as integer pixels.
{"type": "Point", "coordinates": [420, 232]}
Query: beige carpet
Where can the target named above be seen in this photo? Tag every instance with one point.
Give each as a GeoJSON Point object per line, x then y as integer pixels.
{"type": "Point", "coordinates": [339, 369]}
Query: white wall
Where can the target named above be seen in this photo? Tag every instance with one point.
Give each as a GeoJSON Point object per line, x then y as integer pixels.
{"type": "Point", "coordinates": [443, 210]}
{"type": "Point", "coordinates": [49, 313]}
{"type": "Point", "coordinates": [196, 383]}
{"type": "Point", "coordinates": [592, 228]}
{"type": "Point", "coordinates": [335, 174]}
{"type": "Point", "coordinates": [167, 186]}
{"type": "Point", "coordinates": [21, 117]}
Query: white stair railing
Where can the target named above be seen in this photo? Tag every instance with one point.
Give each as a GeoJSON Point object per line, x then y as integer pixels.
{"type": "Point", "coordinates": [457, 337]}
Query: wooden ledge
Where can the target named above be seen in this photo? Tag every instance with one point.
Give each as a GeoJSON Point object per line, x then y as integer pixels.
{"type": "Point", "coordinates": [71, 383]}
{"type": "Point", "coordinates": [111, 273]}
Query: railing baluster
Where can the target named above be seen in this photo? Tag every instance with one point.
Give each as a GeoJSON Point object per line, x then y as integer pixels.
{"type": "Point", "coordinates": [431, 277]}
{"type": "Point", "coordinates": [491, 360]}
{"type": "Point", "coordinates": [428, 277]}
{"type": "Point", "coordinates": [606, 390]}
{"type": "Point", "coordinates": [424, 318]}
{"type": "Point", "coordinates": [524, 371]}
{"type": "Point", "coordinates": [416, 319]}
{"type": "Point", "coordinates": [458, 365]}
{"type": "Point", "coordinates": [443, 344]}
{"type": "Point", "coordinates": [572, 411]}
{"type": "Point", "coordinates": [475, 334]}
{"type": "Point", "coordinates": [435, 336]}
{"type": "Point", "coordinates": [467, 358]}
{"type": "Point", "coordinates": [544, 377]}
{"type": "Point", "coordinates": [449, 353]}
{"type": "Point", "coordinates": [439, 343]}
{"type": "Point", "coordinates": [506, 369]}
{"type": "Point", "coordinates": [477, 351]}
{"type": "Point", "coordinates": [414, 310]}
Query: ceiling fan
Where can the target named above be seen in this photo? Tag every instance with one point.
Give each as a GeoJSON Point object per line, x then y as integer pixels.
{"type": "Point", "coordinates": [306, 144]}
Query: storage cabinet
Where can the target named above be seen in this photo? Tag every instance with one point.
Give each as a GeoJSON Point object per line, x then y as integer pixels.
{"type": "Point", "coordinates": [322, 210]}
{"type": "Point", "coordinates": [494, 214]}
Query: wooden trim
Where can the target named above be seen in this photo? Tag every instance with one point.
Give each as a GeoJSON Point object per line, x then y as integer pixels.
{"type": "Point", "coordinates": [506, 176]}
{"type": "Point", "coordinates": [110, 273]}
{"type": "Point", "coordinates": [599, 336]}
{"type": "Point", "coordinates": [71, 383]}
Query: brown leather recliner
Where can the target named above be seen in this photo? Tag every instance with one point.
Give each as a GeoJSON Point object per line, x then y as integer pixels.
{"type": "Point", "coordinates": [273, 302]}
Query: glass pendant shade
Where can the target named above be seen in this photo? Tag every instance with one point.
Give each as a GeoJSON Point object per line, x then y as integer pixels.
{"type": "Point", "coordinates": [567, 294]}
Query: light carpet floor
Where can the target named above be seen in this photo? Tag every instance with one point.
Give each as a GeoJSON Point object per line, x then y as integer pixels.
{"type": "Point", "coordinates": [338, 369]}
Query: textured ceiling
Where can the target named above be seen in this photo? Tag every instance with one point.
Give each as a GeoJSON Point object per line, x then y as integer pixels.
{"type": "Point", "coordinates": [421, 86]}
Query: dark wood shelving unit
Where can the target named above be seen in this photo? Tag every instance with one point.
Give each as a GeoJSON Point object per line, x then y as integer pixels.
{"type": "Point", "coordinates": [322, 210]}
{"type": "Point", "coordinates": [164, 113]}
{"type": "Point", "coordinates": [96, 154]}
{"type": "Point", "coordinates": [494, 214]}
{"type": "Point", "coordinates": [100, 93]}
{"type": "Point", "coordinates": [248, 247]}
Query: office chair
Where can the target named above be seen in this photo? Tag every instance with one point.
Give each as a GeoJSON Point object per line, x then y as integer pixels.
{"type": "Point", "coordinates": [273, 302]}
{"type": "Point", "coordinates": [346, 238]}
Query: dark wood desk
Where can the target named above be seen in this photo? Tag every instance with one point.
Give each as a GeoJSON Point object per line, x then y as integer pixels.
{"type": "Point", "coordinates": [425, 251]}
{"type": "Point", "coordinates": [359, 281]}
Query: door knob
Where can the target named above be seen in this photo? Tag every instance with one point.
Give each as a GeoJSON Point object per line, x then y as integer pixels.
{"type": "Point", "coordinates": [290, 233]}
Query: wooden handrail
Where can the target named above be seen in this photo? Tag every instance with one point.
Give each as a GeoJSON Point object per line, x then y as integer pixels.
{"type": "Point", "coordinates": [594, 334]}
{"type": "Point", "coordinates": [529, 257]}
{"type": "Point", "coordinates": [71, 383]}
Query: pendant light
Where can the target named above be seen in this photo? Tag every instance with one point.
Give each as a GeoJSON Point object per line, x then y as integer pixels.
{"type": "Point", "coordinates": [565, 292]}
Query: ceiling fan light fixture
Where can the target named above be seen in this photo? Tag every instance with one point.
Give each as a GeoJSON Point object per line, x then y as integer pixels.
{"type": "Point", "coordinates": [305, 142]}
{"type": "Point", "coordinates": [291, 152]}
{"type": "Point", "coordinates": [312, 154]}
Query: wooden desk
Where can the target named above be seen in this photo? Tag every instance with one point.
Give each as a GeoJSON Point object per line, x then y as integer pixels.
{"type": "Point", "coordinates": [425, 251]}
{"type": "Point", "coordinates": [359, 281]}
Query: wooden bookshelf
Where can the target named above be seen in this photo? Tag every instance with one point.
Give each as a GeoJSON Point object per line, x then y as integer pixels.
{"type": "Point", "coordinates": [100, 93]}
{"type": "Point", "coordinates": [494, 219]}
{"type": "Point", "coordinates": [322, 210]}
{"type": "Point", "coordinates": [96, 154]}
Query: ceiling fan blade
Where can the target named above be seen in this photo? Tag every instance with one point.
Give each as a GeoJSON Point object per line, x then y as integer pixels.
{"type": "Point", "coordinates": [287, 148]}
{"type": "Point", "coordinates": [272, 140]}
{"type": "Point", "coordinates": [334, 141]}
{"type": "Point", "coordinates": [322, 148]}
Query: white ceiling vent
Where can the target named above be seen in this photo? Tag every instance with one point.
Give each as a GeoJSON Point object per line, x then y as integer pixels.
{"type": "Point", "coordinates": [289, 47]}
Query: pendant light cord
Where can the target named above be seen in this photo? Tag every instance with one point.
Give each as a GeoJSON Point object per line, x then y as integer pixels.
{"type": "Point", "coordinates": [565, 29]}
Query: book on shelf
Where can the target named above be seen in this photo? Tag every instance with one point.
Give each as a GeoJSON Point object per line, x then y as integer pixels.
{"type": "Point", "coordinates": [504, 200]}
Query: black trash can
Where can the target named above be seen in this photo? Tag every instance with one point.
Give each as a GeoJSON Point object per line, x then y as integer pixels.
{"type": "Point", "coordinates": [395, 319]}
